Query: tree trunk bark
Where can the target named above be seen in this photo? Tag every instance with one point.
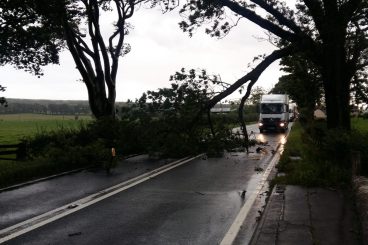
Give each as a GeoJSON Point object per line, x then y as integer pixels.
{"type": "Point", "coordinates": [336, 82]}
{"type": "Point", "coordinates": [243, 127]}
{"type": "Point", "coordinates": [101, 107]}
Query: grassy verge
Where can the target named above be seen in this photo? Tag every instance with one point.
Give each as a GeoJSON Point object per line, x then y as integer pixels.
{"type": "Point", "coordinates": [315, 156]}
{"type": "Point", "coordinates": [303, 165]}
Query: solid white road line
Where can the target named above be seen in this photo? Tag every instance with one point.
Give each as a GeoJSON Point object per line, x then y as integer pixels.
{"type": "Point", "coordinates": [43, 219]}
{"type": "Point", "coordinates": [234, 229]}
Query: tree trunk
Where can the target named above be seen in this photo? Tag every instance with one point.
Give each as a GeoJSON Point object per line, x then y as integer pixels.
{"type": "Point", "coordinates": [243, 127]}
{"type": "Point", "coordinates": [210, 122]}
{"type": "Point", "coordinates": [336, 83]}
{"type": "Point", "coordinates": [101, 106]}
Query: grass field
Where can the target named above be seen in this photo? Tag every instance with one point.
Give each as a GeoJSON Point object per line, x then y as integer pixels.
{"type": "Point", "coordinates": [14, 127]}
{"type": "Point", "coordinates": [360, 124]}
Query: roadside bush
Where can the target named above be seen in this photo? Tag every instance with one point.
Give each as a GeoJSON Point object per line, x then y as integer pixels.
{"type": "Point", "coordinates": [71, 148]}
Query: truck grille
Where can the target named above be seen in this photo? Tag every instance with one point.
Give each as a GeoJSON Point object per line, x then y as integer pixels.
{"type": "Point", "coordinates": [270, 120]}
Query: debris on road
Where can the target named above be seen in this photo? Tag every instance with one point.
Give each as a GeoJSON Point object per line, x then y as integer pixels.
{"type": "Point", "coordinates": [200, 193]}
{"type": "Point", "coordinates": [261, 150]}
{"type": "Point", "coordinates": [258, 169]}
{"type": "Point", "coordinates": [72, 206]}
{"type": "Point", "coordinates": [242, 195]}
{"type": "Point", "coordinates": [75, 234]}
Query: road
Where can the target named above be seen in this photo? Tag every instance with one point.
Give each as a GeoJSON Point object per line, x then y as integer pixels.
{"type": "Point", "coordinates": [195, 202]}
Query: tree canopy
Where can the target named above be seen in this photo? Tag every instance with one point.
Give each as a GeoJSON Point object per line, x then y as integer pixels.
{"type": "Point", "coordinates": [40, 28]}
{"type": "Point", "coordinates": [303, 83]}
{"type": "Point", "coordinates": [330, 33]}
{"type": "Point", "coordinates": [27, 40]}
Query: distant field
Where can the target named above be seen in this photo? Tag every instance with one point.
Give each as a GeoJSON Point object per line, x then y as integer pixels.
{"type": "Point", "coordinates": [14, 127]}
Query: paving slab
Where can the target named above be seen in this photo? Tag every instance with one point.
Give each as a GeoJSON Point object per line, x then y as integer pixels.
{"type": "Point", "coordinates": [308, 216]}
{"type": "Point", "coordinates": [332, 217]}
{"type": "Point", "coordinates": [295, 234]}
{"type": "Point", "coordinates": [296, 205]}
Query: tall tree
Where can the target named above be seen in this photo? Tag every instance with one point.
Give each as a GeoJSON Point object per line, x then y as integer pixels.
{"type": "Point", "coordinates": [96, 57]}
{"type": "Point", "coordinates": [38, 24]}
{"type": "Point", "coordinates": [330, 33]}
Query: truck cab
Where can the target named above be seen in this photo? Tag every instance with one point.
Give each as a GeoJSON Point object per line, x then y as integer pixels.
{"type": "Point", "coordinates": [274, 112]}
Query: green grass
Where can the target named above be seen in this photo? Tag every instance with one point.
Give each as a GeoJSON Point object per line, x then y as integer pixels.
{"type": "Point", "coordinates": [317, 167]}
{"type": "Point", "coordinates": [14, 127]}
{"type": "Point", "coordinates": [359, 124]}
{"type": "Point", "coordinates": [313, 168]}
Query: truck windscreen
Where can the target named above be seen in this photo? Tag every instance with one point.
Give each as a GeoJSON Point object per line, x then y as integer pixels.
{"type": "Point", "coordinates": [272, 108]}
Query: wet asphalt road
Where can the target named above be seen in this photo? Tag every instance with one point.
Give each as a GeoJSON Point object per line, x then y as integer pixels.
{"type": "Point", "coordinates": [26, 202]}
{"type": "Point", "coordinates": [193, 204]}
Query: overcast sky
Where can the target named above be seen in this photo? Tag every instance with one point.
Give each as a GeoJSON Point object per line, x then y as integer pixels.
{"type": "Point", "coordinates": [159, 48]}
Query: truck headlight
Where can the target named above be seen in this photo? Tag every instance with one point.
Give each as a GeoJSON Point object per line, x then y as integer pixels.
{"type": "Point", "coordinates": [260, 124]}
{"type": "Point", "coordinates": [282, 124]}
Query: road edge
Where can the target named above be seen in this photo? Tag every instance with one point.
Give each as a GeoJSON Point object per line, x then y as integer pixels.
{"type": "Point", "coordinates": [30, 182]}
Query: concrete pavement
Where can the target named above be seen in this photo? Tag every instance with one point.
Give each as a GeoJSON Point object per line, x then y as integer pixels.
{"type": "Point", "coordinates": [306, 216]}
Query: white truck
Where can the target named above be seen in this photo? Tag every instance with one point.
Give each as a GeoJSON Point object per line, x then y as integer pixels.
{"type": "Point", "coordinates": [274, 112]}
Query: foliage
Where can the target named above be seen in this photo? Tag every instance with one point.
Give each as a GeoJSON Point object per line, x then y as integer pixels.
{"type": "Point", "coordinates": [162, 124]}
{"type": "Point", "coordinates": [303, 83]}
{"type": "Point", "coordinates": [319, 31]}
{"type": "Point", "coordinates": [3, 101]}
{"type": "Point", "coordinates": [256, 94]}
{"type": "Point", "coordinates": [177, 127]}
{"type": "Point", "coordinates": [359, 88]}
{"type": "Point", "coordinates": [27, 40]}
